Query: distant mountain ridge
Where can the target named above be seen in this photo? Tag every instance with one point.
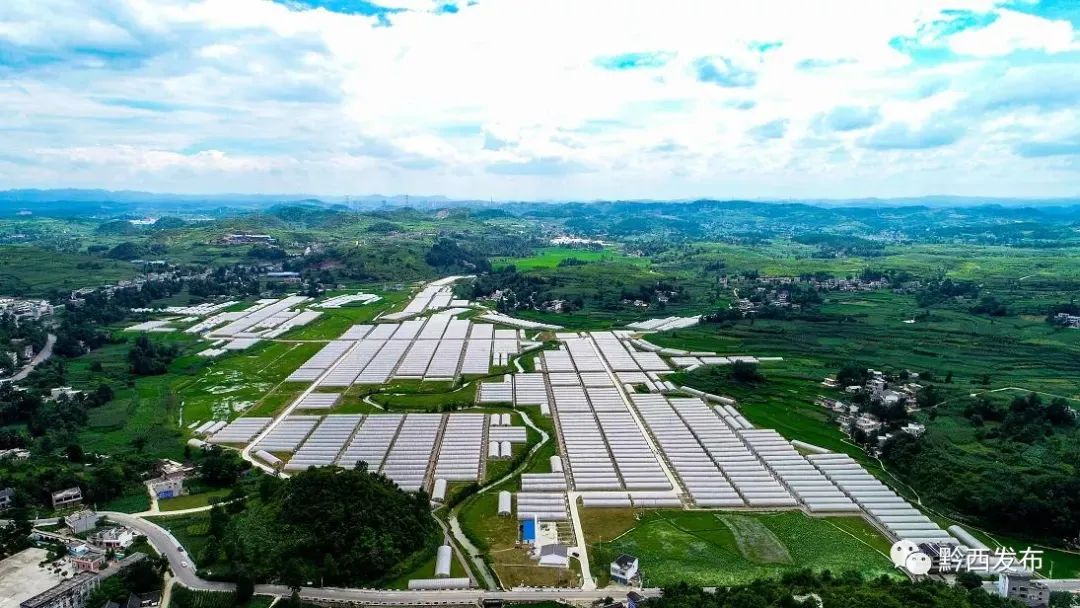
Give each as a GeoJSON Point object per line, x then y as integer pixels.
{"type": "Point", "coordinates": [99, 201]}
{"type": "Point", "coordinates": [32, 195]}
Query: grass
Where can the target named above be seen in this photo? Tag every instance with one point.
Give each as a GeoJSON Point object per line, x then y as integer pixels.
{"type": "Point", "coordinates": [182, 597]}
{"type": "Point", "coordinates": [716, 548]}
{"type": "Point", "coordinates": [1012, 351]}
{"type": "Point", "coordinates": [241, 382]}
{"type": "Point", "coordinates": [334, 321]}
{"type": "Point", "coordinates": [549, 257]}
{"type": "Point", "coordinates": [32, 271]}
{"type": "Point", "coordinates": [191, 501]}
{"type": "Point", "coordinates": [190, 529]}
{"type": "Point", "coordinates": [426, 401]}
{"type": "Point", "coordinates": [426, 569]}
{"type": "Point", "coordinates": [135, 502]}
{"type": "Point", "coordinates": [496, 469]}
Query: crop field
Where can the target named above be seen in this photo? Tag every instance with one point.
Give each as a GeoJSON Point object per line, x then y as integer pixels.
{"type": "Point", "coordinates": [999, 265]}
{"type": "Point", "coordinates": [147, 411]}
{"type": "Point", "coordinates": [190, 529]}
{"type": "Point", "coordinates": [182, 597]}
{"type": "Point", "coordinates": [715, 548]}
{"type": "Point", "coordinates": [31, 271]}
{"type": "Point", "coordinates": [461, 397]}
{"type": "Point", "coordinates": [134, 502]}
{"type": "Point", "coordinates": [191, 501]}
{"type": "Point", "coordinates": [549, 257]}
{"type": "Point", "coordinates": [870, 330]}
{"type": "Point", "coordinates": [194, 389]}
{"type": "Point", "coordinates": [239, 382]}
{"type": "Point", "coordinates": [334, 321]}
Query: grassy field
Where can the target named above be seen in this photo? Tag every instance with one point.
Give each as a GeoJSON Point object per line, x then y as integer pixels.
{"type": "Point", "coordinates": [334, 321]}
{"type": "Point", "coordinates": [717, 548]}
{"type": "Point", "coordinates": [31, 271]}
{"type": "Point", "coordinates": [549, 257]}
{"type": "Point", "coordinates": [134, 502]}
{"type": "Point", "coordinates": [869, 329]}
{"type": "Point", "coordinates": [182, 597]}
{"type": "Point", "coordinates": [427, 401]}
{"type": "Point", "coordinates": [191, 501]}
{"type": "Point", "coordinates": [425, 570]}
{"type": "Point", "coordinates": [242, 381]}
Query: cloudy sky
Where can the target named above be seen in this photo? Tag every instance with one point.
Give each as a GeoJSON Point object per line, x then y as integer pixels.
{"type": "Point", "coordinates": [543, 99]}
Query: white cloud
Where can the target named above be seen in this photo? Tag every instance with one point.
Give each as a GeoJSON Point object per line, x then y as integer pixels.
{"type": "Point", "coordinates": [506, 95]}
{"type": "Point", "coordinates": [1013, 31]}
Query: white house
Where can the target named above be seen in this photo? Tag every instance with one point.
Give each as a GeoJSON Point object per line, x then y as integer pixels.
{"type": "Point", "coordinates": [63, 391]}
{"type": "Point", "coordinates": [914, 429]}
{"type": "Point", "coordinates": [624, 569]}
{"type": "Point", "coordinates": [164, 487]}
{"type": "Point", "coordinates": [867, 423]}
{"type": "Point", "coordinates": [118, 538]}
{"type": "Point", "coordinates": [81, 521]}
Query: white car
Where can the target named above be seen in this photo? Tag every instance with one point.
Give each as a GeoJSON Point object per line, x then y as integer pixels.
{"type": "Point", "coordinates": [183, 564]}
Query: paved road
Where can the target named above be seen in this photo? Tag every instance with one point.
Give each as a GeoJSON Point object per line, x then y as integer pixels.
{"type": "Point", "coordinates": [38, 359]}
{"type": "Point", "coordinates": [167, 545]}
{"type": "Point", "coordinates": [1062, 584]}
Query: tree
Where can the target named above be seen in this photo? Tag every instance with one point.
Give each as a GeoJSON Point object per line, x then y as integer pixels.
{"type": "Point", "coordinates": [852, 375]}
{"type": "Point", "coordinates": [927, 397]}
{"type": "Point", "coordinates": [969, 580]}
{"type": "Point", "coordinates": [278, 539]}
{"type": "Point", "coordinates": [74, 452]}
{"type": "Point", "coordinates": [1063, 599]}
{"type": "Point", "coordinates": [150, 359]}
{"type": "Point", "coordinates": [219, 520]}
{"type": "Point", "coordinates": [221, 468]}
{"type": "Point", "coordinates": [746, 373]}
{"type": "Point", "coordinates": [245, 589]}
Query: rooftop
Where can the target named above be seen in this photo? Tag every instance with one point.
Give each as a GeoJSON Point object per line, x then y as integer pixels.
{"type": "Point", "coordinates": [625, 561]}
{"type": "Point", "coordinates": [554, 549]}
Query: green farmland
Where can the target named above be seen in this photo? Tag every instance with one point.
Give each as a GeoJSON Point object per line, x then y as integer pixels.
{"type": "Point", "coordinates": [716, 548]}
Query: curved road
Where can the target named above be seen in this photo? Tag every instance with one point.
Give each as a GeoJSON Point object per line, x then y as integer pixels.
{"type": "Point", "coordinates": [38, 359]}
{"type": "Point", "coordinates": [168, 546]}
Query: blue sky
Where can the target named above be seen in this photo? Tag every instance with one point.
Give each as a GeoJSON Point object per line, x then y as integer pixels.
{"type": "Point", "coordinates": [544, 99]}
